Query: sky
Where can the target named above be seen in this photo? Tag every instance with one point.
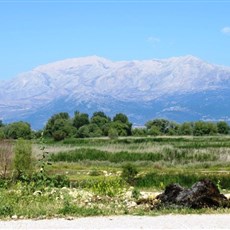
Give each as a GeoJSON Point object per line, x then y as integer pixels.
{"type": "Point", "coordinates": [34, 32]}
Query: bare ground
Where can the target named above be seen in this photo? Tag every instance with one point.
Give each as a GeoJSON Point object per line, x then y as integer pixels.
{"type": "Point", "coordinates": [126, 222]}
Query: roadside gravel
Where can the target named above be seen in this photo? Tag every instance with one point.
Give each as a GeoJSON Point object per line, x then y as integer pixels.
{"type": "Point", "coordinates": [126, 222]}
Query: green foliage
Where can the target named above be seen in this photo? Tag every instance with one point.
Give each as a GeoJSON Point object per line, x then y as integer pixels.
{"type": "Point", "coordinates": [71, 209]}
{"type": "Point", "coordinates": [202, 128]}
{"type": "Point", "coordinates": [23, 163]}
{"type": "Point", "coordinates": [139, 132]}
{"type": "Point", "coordinates": [2, 134]}
{"type": "Point", "coordinates": [122, 128]}
{"type": "Point", "coordinates": [161, 124]}
{"type": "Point", "coordinates": [17, 130]}
{"type": "Point", "coordinates": [113, 134]}
{"type": "Point", "coordinates": [6, 210]}
{"type": "Point", "coordinates": [186, 129]}
{"type": "Point", "coordinates": [154, 130]}
{"type": "Point", "coordinates": [129, 172]}
{"type": "Point", "coordinates": [136, 193]}
{"type": "Point", "coordinates": [223, 127]}
{"type": "Point", "coordinates": [122, 124]}
{"type": "Point", "coordinates": [109, 187]}
{"type": "Point", "coordinates": [157, 179]}
{"type": "Point", "coordinates": [80, 119]}
{"type": "Point", "coordinates": [59, 127]}
{"type": "Point", "coordinates": [91, 130]}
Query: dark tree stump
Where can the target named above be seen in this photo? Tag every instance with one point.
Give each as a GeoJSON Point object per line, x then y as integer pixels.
{"type": "Point", "coordinates": [202, 194]}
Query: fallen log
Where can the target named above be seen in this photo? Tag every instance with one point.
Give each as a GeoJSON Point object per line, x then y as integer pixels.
{"type": "Point", "coordinates": [202, 194]}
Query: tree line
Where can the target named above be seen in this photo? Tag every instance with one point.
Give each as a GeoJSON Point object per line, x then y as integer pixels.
{"type": "Point", "coordinates": [81, 125]}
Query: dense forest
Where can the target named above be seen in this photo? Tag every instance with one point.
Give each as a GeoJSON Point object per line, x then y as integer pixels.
{"type": "Point", "coordinates": [81, 125]}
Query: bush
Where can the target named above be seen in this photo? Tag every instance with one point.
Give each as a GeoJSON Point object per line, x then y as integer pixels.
{"type": "Point", "coordinates": [113, 134]}
{"type": "Point", "coordinates": [23, 164]}
{"type": "Point", "coordinates": [129, 173]}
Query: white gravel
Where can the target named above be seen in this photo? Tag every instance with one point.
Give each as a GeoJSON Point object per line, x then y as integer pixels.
{"type": "Point", "coordinates": [126, 222]}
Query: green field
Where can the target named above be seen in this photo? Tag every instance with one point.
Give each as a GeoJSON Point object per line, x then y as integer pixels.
{"type": "Point", "coordinates": [85, 177]}
{"type": "Point", "coordinates": [160, 160]}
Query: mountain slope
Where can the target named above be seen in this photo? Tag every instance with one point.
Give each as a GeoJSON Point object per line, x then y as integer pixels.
{"type": "Point", "coordinates": [179, 88]}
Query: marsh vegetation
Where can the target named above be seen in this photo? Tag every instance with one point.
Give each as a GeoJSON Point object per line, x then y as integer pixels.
{"type": "Point", "coordinates": [104, 176]}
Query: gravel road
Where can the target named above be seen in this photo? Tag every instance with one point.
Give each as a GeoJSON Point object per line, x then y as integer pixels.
{"type": "Point", "coordinates": [126, 222]}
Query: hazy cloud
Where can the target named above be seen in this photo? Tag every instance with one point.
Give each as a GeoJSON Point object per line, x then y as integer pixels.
{"type": "Point", "coordinates": [153, 40]}
{"type": "Point", "coordinates": [226, 30]}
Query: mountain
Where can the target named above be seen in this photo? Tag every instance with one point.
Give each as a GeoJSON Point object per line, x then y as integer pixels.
{"type": "Point", "coordinates": [179, 88]}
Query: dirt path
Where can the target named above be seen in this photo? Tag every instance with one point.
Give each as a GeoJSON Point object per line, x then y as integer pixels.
{"type": "Point", "coordinates": [126, 222]}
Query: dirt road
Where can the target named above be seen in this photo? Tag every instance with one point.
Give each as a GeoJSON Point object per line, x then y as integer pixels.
{"type": "Point", "coordinates": [126, 222]}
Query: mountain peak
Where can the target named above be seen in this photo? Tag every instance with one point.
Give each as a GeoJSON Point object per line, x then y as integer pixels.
{"type": "Point", "coordinates": [138, 88]}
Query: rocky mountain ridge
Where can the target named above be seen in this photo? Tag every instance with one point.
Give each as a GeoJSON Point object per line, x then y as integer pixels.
{"type": "Point", "coordinates": [178, 88]}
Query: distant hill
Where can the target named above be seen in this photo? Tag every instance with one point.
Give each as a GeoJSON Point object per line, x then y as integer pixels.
{"type": "Point", "coordinates": [179, 88]}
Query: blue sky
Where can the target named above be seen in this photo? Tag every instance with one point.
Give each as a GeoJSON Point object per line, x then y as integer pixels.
{"type": "Point", "coordinates": [39, 32]}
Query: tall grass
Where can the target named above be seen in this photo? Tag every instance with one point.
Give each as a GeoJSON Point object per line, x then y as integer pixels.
{"type": "Point", "coordinates": [175, 156]}
{"type": "Point", "coordinates": [185, 179]}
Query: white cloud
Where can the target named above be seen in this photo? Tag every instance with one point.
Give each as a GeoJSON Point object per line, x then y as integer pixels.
{"type": "Point", "coordinates": [226, 30]}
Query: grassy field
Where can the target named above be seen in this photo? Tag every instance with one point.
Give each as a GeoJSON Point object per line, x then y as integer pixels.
{"type": "Point", "coordinates": [160, 160]}
{"type": "Point", "coordinates": [94, 182]}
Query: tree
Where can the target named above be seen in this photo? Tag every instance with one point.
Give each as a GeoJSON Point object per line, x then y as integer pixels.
{"type": "Point", "coordinates": [112, 133]}
{"type": "Point", "coordinates": [121, 122]}
{"type": "Point", "coordinates": [223, 127]}
{"type": "Point", "coordinates": [59, 126]}
{"type": "Point", "coordinates": [80, 119]}
{"type": "Point", "coordinates": [139, 132]}
{"type": "Point", "coordinates": [18, 130]}
{"type": "Point", "coordinates": [122, 128]}
{"type": "Point", "coordinates": [121, 117]}
{"type": "Point", "coordinates": [186, 129]}
{"type": "Point", "coordinates": [204, 128]}
{"type": "Point", "coordinates": [23, 158]}
{"type": "Point", "coordinates": [50, 125]}
{"type": "Point", "coordinates": [161, 124]}
{"type": "Point", "coordinates": [100, 114]}
{"type": "Point", "coordinates": [102, 121]}
{"type": "Point", "coordinates": [90, 130]}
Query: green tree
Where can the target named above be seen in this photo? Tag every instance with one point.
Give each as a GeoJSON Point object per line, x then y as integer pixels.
{"type": "Point", "coordinates": [102, 121]}
{"type": "Point", "coordinates": [59, 126]}
{"type": "Point", "coordinates": [101, 114]}
{"type": "Point", "coordinates": [223, 127]}
{"type": "Point", "coordinates": [138, 132]}
{"type": "Point", "coordinates": [163, 125]}
{"type": "Point", "coordinates": [202, 128]}
{"type": "Point", "coordinates": [154, 131]}
{"type": "Point", "coordinates": [90, 130]}
{"type": "Point", "coordinates": [23, 164]}
{"type": "Point", "coordinates": [121, 118]}
{"type": "Point", "coordinates": [122, 128]}
{"type": "Point", "coordinates": [80, 119]}
{"type": "Point", "coordinates": [122, 124]}
{"type": "Point", "coordinates": [113, 134]}
{"type": "Point", "coordinates": [17, 130]}
{"type": "Point", "coordinates": [186, 129]}
{"type": "Point", "coordinates": [51, 127]}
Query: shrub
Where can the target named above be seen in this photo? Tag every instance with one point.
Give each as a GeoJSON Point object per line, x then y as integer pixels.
{"type": "Point", "coordinates": [113, 134]}
{"type": "Point", "coordinates": [129, 173]}
{"type": "Point", "coordinates": [23, 164]}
